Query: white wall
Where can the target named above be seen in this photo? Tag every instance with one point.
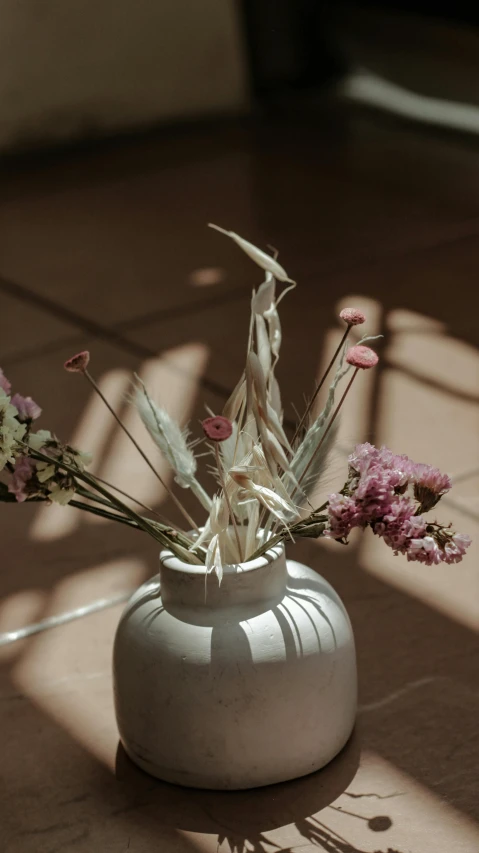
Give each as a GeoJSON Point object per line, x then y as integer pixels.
{"type": "Point", "coordinates": [78, 67]}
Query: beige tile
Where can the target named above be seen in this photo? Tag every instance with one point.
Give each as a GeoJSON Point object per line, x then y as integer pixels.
{"type": "Point", "coordinates": [414, 293]}
{"type": "Point", "coordinates": [131, 246]}
{"type": "Point", "coordinates": [118, 238]}
{"type": "Point", "coordinates": [26, 327]}
{"type": "Point", "coordinates": [121, 232]}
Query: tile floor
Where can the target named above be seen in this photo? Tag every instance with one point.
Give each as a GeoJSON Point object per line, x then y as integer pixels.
{"type": "Point", "coordinates": [107, 249]}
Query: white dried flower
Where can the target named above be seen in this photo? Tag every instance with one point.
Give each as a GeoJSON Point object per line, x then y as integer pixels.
{"type": "Point", "coordinates": [45, 471]}
{"type": "Point", "coordinates": [37, 440]}
{"type": "Point", "coordinates": [11, 431]}
{"type": "Point", "coordinates": [60, 495]}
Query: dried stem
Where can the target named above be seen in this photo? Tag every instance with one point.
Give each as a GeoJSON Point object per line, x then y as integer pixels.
{"type": "Point", "coordinates": [318, 387]}
{"type": "Point", "coordinates": [103, 513]}
{"type": "Point", "coordinates": [181, 537]}
{"type": "Point", "coordinates": [120, 423]}
{"type": "Point", "coordinates": [135, 500]}
{"type": "Point", "coordinates": [333, 418]}
{"type": "Point", "coordinates": [151, 527]}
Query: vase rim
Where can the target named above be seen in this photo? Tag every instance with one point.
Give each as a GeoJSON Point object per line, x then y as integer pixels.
{"type": "Point", "coordinates": [270, 556]}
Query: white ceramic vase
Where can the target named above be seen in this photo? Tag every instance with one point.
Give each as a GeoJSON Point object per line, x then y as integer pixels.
{"type": "Point", "coordinates": [253, 684]}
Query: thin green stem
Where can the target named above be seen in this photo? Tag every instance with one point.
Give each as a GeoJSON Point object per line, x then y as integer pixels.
{"type": "Point", "coordinates": [102, 513]}
{"type": "Point", "coordinates": [165, 521]}
{"type": "Point", "coordinates": [179, 535]}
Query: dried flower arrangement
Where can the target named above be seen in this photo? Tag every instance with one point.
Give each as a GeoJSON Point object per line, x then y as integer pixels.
{"type": "Point", "coordinates": [264, 480]}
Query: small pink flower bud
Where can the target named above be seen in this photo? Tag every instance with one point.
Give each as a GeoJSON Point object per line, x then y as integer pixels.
{"type": "Point", "coordinates": [217, 428]}
{"type": "Point", "coordinates": [78, 363]}
{"type": "Point", "coordinates": [361, 356]}
{"type": "Point", "coordinates": [353, 316]}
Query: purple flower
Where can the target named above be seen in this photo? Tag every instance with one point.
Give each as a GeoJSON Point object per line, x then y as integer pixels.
{"type": "Point", "coordinates": [362, 456]}
{"type": "Point", "coordinates": [455, 549]}
{"type": "Point", "coordinates": [432, 479]}
{"type": "Point", "coordinates": [376, 490]}
{"type": "Point", "coordinates": [425, 550]}
{"type": "Point", "coordinates": [24, 472]}
{"type": "Point", "coordinates": [27, 409]}
{"type": "Point", "coordinates": [400, 524]}
{"type": "Point", "coordinates": [4, 383]}
{"type": "Point", "coordinates": [344, 514]}
{"type": "Point", "coordinates": [375, 495]}
{"type": "Point", "coordinates": [429, 485]}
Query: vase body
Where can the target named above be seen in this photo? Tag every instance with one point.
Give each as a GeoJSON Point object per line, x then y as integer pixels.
{"type": "Point", "coordinates": [234, 686]}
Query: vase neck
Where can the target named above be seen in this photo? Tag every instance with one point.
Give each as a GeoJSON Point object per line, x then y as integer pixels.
{"type": "Point", "coordinates": [260, 580]}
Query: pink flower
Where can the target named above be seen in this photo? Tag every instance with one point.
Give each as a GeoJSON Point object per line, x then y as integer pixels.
{"type": "Point", "coordinates": [78, 363]}
{"type": "Point", "coordinates": [365, 455]}
{"type": "Point", "coordinates": [344, 514]}
{"type": "Point", "coordinates": [455, 549]}
{"type": "Point", "coordinates": [361, 356]}
{"type": "Point", "coordinates": [429, 485]}
{"type": "Point", "coordinates": [4, 383]}
{"type": "Point", "coordinates": [352, 316]}
{"type": "Point", "coordinates": [424, 550]}
{"type": "Point", "coordinates": [217, 428]}
{"type": "Point", "coordinates": [27, 409]}
{"type": "Point", "coordinates": [400, 524]}
{"type": "Point", "coordinates": [362, 456]}
{"type": "Point", "coordinates": [25, 470]}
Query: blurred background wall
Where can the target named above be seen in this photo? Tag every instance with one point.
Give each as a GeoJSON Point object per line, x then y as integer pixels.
{"type": "Point", "coordinates": [73, 68]}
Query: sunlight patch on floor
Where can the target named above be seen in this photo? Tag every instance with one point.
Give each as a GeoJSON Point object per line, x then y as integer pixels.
{"type": "Point", "coordinates": [93, 432]}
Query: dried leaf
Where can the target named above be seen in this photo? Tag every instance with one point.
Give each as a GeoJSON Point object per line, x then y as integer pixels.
{"type": "Point", "coordinates": [263, 345]}
{"type": "Point", "coordinates": [277, 451]}
{"type": "Point", "coordinates": [257, 255]}
{"type": "Point", "coordinates": [264, 298]}
{"type": "Point", "coordinates": [274, 397]}
{"type": "Point", "coordinates": [277, 427]}
{"type": "Point", "coordinates": [252, 528]}
{"type": "Point", "coordinates": [280, 507]}
{"type": "Point", "coordinates": [274, 330]}
{"type": "Point", "coordinates": [219, 516]}
{"type": "Point", "coordinates": [213, 559]}
{"type": "Point", "coordinates": [235, 400]}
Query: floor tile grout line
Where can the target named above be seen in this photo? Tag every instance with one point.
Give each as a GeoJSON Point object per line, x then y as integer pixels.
{"type": "Point", "coordinates": [177, 312]}
{"type": "Point", "coordinates": [112, 333]}
{"type": "Point", "coordinates": [62, 312]}
{"type": "Point", "coordinates": [104, 333]}
{"type": "Point", "coordinates": [130, 325]}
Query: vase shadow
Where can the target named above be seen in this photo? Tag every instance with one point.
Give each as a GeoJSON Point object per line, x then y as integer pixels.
{"type": "Point", "coordinates": [245, 813]}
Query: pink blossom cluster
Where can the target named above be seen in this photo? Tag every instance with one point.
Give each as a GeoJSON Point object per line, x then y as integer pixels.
{"type": "Point", "coordinates": [376, 495]}
{"type": "Point", "coordinates": [27, 409]}
{"type": "Point", "coordinates": [23, 481]}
